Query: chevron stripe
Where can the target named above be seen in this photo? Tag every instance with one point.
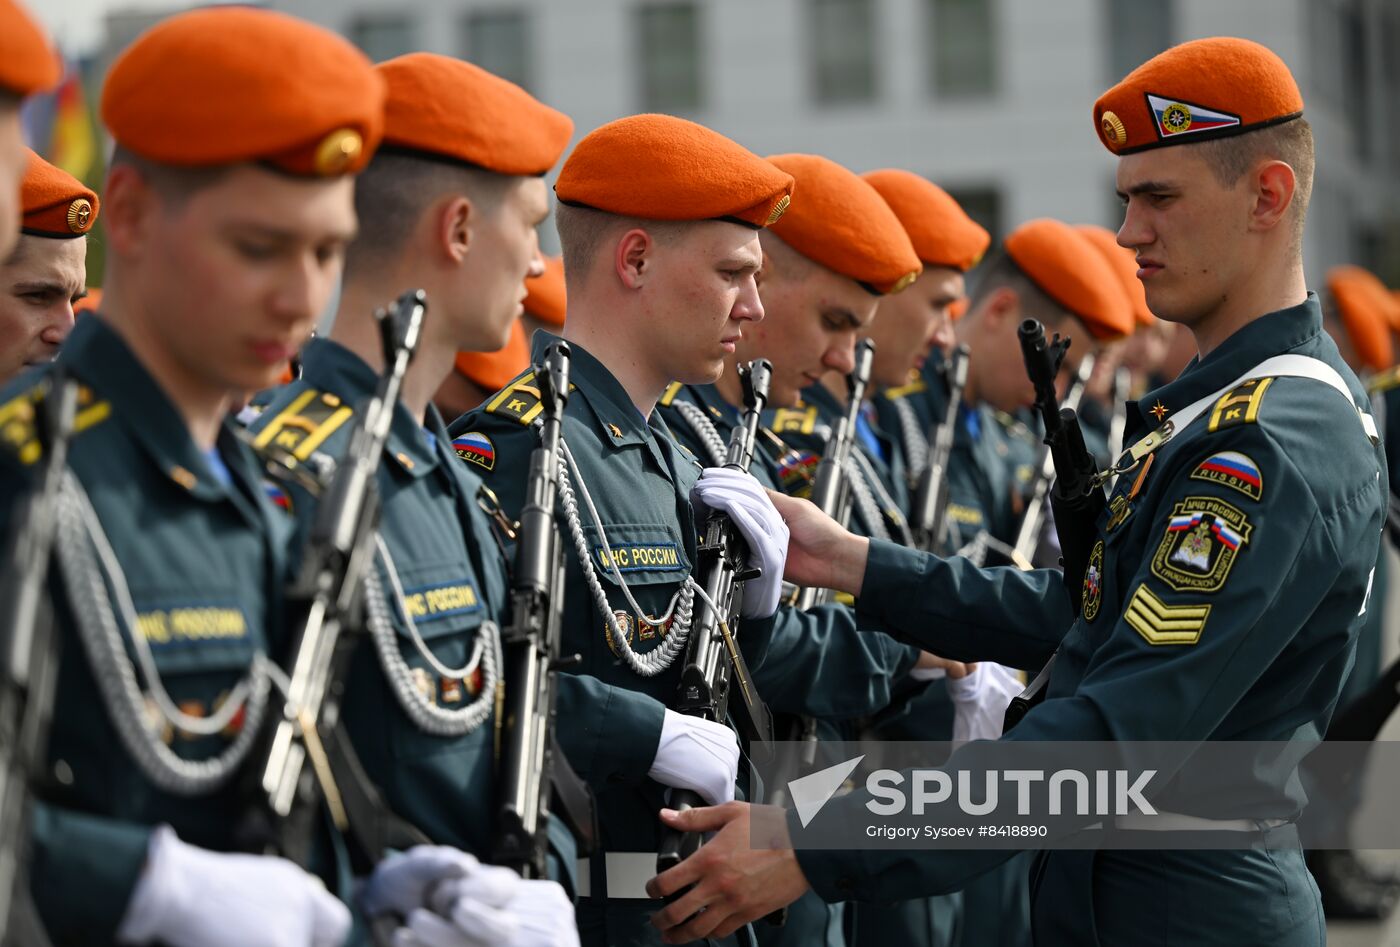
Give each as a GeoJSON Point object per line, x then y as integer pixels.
{"type": "Point", "coordinates": [1160, 623]}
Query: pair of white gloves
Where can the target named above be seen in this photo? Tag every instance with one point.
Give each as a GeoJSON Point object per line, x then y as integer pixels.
{"type": "Point", "coordinates": [699, 754]}
{"type": "Point", "coordinates": [192, 897]}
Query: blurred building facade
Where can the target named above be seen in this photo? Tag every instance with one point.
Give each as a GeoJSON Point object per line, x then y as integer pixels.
{"type": "Point", "coordinates": [990, 98]}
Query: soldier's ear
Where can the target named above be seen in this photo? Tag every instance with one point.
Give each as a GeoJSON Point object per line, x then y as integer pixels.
{"type": "Point", "coordinates": [1000, 308]}
{"type": "Point", "coordinates": [632, 257]}
{"type": "Point", "coordinates": [452, 232]}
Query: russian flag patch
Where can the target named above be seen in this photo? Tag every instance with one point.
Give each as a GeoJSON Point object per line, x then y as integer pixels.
{"type": "Point", "coordinates": [1182, 118]}
{"type": "Point", "coordinates": [476, 448]}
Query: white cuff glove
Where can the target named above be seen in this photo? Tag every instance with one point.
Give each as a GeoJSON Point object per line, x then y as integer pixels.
{"type": "Point", "coordinates": [697, 754]}
{"type": "Point", "coordinates": [191, 897]}
{"type": "Point", "coordinates": [742, 497]}
{"type": "Point", "coordinates": [980, 700]}
{"type": "Point", "coordinates": [466, 913]}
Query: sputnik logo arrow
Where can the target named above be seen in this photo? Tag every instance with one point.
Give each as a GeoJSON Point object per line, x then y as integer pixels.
{"type": "Point", "coordinates": [813, 791]}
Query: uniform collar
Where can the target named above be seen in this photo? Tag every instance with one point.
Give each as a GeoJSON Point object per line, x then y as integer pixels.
{"type": "Point", "coordinates": [1273, 334]}
{"type": "Point", "coordinates": [721, 412]}
{"type": "Point", "coordinates": [331, 367]}
{"type": "Point", "coordinates": [101, 358]}
{"type": "Point", "coordinates": [825, 401]}
{"type": "Point", "coordinates": [617, 417]}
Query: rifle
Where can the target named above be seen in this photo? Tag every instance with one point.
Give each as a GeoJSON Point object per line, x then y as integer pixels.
{"type": "Point", "coordinates": [532, 765]}
{"type": "Point", "coordinates": [30, 657]}
{"type": "Point", "coordinates": [1033, 520]}
{"type": "Point", "coordinates": [931, 496]}
{"type": "Point", "coordinates": [713, 661]}
{"type": "Point", "coordinates": [1076, 499]}
{"type": "Point", "coordinates": [284, 813]}
{"type": "Point", "coordinates": [1118, 424]}
{"type": "Point", "coordinates": [829, 487]}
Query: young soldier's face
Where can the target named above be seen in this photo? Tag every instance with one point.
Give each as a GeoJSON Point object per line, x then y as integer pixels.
{"type": "Point", "coordinates": [504, 251]}
{"type": "Point", "coordinates": [236, 273]}
{"type": "Point", "coordinates": [911, 322]}
{"type": "Point", "coordinates": [702, 292]}
{"type": "Point", "coordinates": [1188, 231]}
{"type": "Point", "coordinates": [814, 318]}
{"type": "Point", "coordinates": [39, 283]}
{"type": "Point", "coordinates": [13, 160]}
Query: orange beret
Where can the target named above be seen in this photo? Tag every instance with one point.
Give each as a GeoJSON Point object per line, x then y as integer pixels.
{"type": "Point", "coordinates": [227, 85]}
{"type": "Point", "coordinates": [1207, 88]}
{"type": "Point", "coordinates": [1394, 313]}
{"type": "Point", "coordinates": [1361, 302]}
{"type": "Point", "coordinates": [544, 294]}
{"type": "Point", "coordinates": [491, 370]}
{"type": "Point", "coordinates": [845, 225]}
{"type": "Point", "coordinates": [1124, 264]}
{"type": "Point", "coordinates": [91, 302]}
{"type": "Point", "coordinates": [958, 308]}
{"type": "Point", "coordinates": [1068, 269]}
{"type": "Point", "coordinates": [27, 62]}
{"type": "Point", "coordinates": [456, 110]}
{"type": "Point", "coordinates": [941, 231]}
{"type": "Point", "coordinates": [56, 204]}
{"type": "Point", "coordinates": [659, 167]}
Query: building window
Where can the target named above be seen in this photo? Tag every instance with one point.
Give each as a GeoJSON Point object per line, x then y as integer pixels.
{"type": "Point", "coordinates": [983, 204]}
{"type": "Point", "coordinates": [499, 42]}
{"type": "Point", "coordinates": [1137, 31]}
{"type": "Point", "coordinates": [962, 36]}
{"type": "Point", "coordinates": [382, 35]}
{"type": "Point", "coordinates": [843, 51]}
{"type": "Point", "coordinates": [669, 53]}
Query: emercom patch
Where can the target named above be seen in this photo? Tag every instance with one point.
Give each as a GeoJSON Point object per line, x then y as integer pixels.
{"type": "Point", "coordinates": [1202, 540]}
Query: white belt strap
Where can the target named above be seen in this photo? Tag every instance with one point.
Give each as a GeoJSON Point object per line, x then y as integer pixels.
{"type": "Point", "coordinates": [627, 874]}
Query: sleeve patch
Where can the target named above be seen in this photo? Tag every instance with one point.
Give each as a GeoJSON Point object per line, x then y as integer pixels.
{"type": "Point", "coordinates": [1203, 537]}
{"type": "Point", "coordinates": [1162, 624]}
{"type": "Point", "coordinates": [303, 425]}
{"type": "Point", "coordinates": [795, 420]}
{"type": "Point", "coordinates": [476, 449]}
{"type": "Point", "coordinates": [1234, 470]}
{"type": "Point", "coordinates": [1240, 405]}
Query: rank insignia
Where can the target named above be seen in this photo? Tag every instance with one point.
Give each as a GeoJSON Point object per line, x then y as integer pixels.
{"type": "Point", "coordinates": [669, 395]}
{"type": "Point", "coordinates": [1092, 596]}
{"type": "Point", "coordinates": [520, 400]}
{"type": "Point", "coordinates": [615, 431]}
{"type": "Point", "coordinates": [1160, 623]}
{"type": "Point", "coordinates": [1240, 405]}
{"type": "Point", "coordinates": [423, 682]}
{"type": "Point", "coordinates": [303, 425]}
{"type": "Point", "coordinates": [1234, 470]}
{"type": "Point", "coordinates": [795, 420]}
{"type": "Point", "coordinates": [1118, 510]}
{"type": "Point", "coordinates": [1203, 537]}
{"type": "Point", "coordinates": [1159, 411]}
{"type": "Point", "coordinates": [476, 448]}
{"type": "Point", "coordinates": [451, 690]}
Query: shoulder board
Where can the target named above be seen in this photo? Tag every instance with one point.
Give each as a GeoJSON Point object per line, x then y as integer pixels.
{"type": "Point", "coordinates": [795, 420]}
{"type": "Point", "coordinates": [673, 389]}
{"type": "Point", "coordinates": [19, 427]}
{"type": "Point", "coordinates": [520, 399]}
{"type": "Point", "coordinates": [1239, 405]}
{"type": "Point", "coordinates": [304, 424]}
{"type": "Point", "coordinates": [903, 391]}
{"type": "Point", "coordinates": [1386, 380]}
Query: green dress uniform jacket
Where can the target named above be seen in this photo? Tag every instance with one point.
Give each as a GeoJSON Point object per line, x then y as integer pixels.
{"type": "Point", "coordinates": [204, 563]}
{"type": "Point", "coordinates": [639, 480]}
{"type": "Point", "coordinates": [454, 581]}
{"type": "Point", "coordinates": [1243, 630]}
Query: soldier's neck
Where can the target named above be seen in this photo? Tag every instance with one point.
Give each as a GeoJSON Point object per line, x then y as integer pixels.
{"type": "Point", "coordinates": [630, 356]}
{"type": "Point", "coordinates": [835, 383]}
{"type": "Point", "coordinates": [201, 405]}
{"type": "Point", "coordinates": [356, 329]}
{"type": "Point", "coordinates": [1265, 290]}
{"type": "Point", "coordinates": [730, 388]}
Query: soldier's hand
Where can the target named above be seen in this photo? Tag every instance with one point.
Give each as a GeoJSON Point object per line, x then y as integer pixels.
{"type": "Point", "coordinates": [733, 882]}
{"type": "Point", "coordinates": [697, 754]}
{"type": "Point", "coordinates": [191, 897]}
{"type": "Point", "coordinates": [739, 495]}
{"type": "Point", "coordinates": [821, 554]}
{"type": "Point", "coordinates": [531, 914]}
{"type": "Point", "coordinates": [930, 666]}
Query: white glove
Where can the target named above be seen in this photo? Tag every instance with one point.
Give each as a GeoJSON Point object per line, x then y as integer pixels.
{"type": "Point", "coordinates": [980, 700]}
{"type": "Point", "coordinates": [697, 754]}
{"type": "Point", "coordinates": [191, 897]}
{"type": "Point", "coordinates": [537, 914]}
{"type": "Point", "coordinates": [742, 497]}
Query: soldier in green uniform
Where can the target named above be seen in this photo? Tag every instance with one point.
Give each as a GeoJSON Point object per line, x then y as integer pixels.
{"type": "Point", "coordinates": [1242, 630]}
{"type": "Point", "coordinates": [223, 247]}
{"type": "Point", "coordinates": [46, 274]}
{"type": "Point", "coordinates": [28, 64]}
{"type": "Point", "coordinates": [449, 205]}
{"type": "Point", "coordinates": [626, 515]}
